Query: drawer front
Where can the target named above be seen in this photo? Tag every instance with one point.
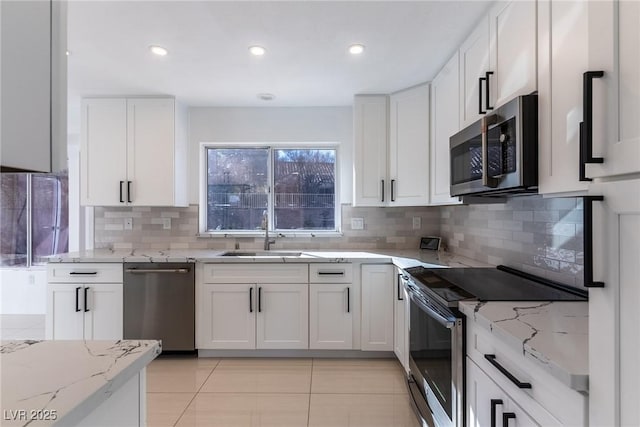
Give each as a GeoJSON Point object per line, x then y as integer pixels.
{"type": "Point", "coordinates": [256, 273]}
{"type": "Point", "coordinates": [84, 272]}
{"type": "Point", "coordinates": [330, 273]}
{"type": "Point", "coordinates": [547, 399]}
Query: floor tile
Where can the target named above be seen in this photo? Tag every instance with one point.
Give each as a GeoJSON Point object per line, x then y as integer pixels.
{"type": "Point", "coordinates": [260, 376]}
{"type": "Point", "coordinates": [358, 376]}
{"type": "Point", "coordinates": [179, 374]}
{"type": "Point", "coordinates": [246, 409]}
{"type": "Point", "coordinates": [164, 409]}
{"type": "Point", "coordinates": [361, 410]}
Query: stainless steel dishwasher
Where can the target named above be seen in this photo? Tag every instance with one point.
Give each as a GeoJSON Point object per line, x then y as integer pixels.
{"type": "Point", "coordinates": [159, 303]}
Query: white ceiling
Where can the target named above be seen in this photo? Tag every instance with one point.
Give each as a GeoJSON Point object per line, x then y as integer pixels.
{"type": "Point", "coordinates": [306, 64]}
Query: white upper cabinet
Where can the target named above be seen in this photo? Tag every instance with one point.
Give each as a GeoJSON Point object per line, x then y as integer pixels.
{"type": "Point", "coordinates": [614, 37]}
{"type": "Point", "coordinates": [370, 129]}
{"type": "Point", "coordinates": [409, 147]}
{"type": "Point", "coordinates": [445, 121]}
{"type": "Point", "coordinates": [562, 60]}
{"type": "Point", "coordinates": [130, 153]}
{"type": "Point", "coordinates": [498, 59]}
{"type": "Point", "coordinates": [391, 148]}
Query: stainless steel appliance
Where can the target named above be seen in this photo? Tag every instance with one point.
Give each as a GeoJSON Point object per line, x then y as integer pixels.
{"type": "Point", "coordinates": [437, 329]}
{"type": "Point", "coordinates": [498, 155]}
{"type": "Point", "coordinates": [159, 303]}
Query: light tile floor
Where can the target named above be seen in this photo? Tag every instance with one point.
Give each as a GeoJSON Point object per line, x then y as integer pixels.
{"type": "Point", "coordinates": [187, 391]}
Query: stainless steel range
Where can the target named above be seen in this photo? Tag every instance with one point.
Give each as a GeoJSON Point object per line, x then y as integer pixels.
{"type": "Point", "coordinates": [437, 329]}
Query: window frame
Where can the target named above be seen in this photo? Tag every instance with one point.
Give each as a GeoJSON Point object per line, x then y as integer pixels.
{"type": "Point", "coordinates": [272, 147]}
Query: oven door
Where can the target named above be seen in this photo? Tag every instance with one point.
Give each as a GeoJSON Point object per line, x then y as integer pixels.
{"type": "Point", "coordinates": [436, 362]}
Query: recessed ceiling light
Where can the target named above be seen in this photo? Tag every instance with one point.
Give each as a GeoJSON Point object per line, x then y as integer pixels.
{"type": "Point", "coordinates": [356, 49]}
{"type": "Point", "coordinates": [68, 52]}
{"type": "Point", "coordinates": [257, 50]}
{"type": "Point", "coordinates": [158, 50]}
{"type": "Point", "coordinates": [266, 96]}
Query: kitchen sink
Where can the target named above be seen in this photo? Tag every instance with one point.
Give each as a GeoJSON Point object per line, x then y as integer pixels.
{"type": "Point", "coordinates": [264, 254]}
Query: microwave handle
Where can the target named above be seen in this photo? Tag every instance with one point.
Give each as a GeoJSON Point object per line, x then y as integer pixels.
{"type": "Point", "coordinates": [487, 121]}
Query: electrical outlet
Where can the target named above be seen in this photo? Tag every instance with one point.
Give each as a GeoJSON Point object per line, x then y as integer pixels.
{"type": "Point", "coordinates": [357, 223]}
{"type": "Point", "coordinates": [32, 279]}
{"type": "Point", "coordinates": [166, 223]}
{"type": "Point", "coordinates": [417, 222]}
{"type": "Point", "coordinates": [128, 223]}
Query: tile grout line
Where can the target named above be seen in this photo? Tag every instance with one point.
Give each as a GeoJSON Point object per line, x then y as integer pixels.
{"type": "Point", "coordinates": [196, 394]}
{"type": "Point", "coordinates": [310, 388]}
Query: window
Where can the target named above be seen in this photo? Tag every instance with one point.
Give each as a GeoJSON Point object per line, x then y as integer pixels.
{"type": "Point", "coordinates": [34, 217]}
{"type": "Point", "coordinates": [295, 189]}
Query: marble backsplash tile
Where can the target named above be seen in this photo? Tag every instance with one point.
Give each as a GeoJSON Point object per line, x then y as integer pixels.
{"type": "Point", "coordinates": [537, 235]}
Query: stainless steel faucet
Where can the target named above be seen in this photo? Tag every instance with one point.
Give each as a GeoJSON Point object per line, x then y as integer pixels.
{"type": "Point", "coordinates": [265, 226]}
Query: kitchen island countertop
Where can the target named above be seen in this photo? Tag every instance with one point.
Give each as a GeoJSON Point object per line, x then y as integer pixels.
{"type": "Point", "coordinates": [61, 382]}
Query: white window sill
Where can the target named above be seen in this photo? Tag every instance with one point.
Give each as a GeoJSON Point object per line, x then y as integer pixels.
{"type": "Point", "coordinates": [273, 234]}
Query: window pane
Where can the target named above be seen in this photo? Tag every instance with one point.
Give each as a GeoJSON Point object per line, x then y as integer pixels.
{"type": "Point", "coordinates": [237, 185]}
{"type": "Point", "coordinates": [304, 189]}
{"type": "Point", "coordinates": [13, 219]}
{"type": "Point", "coordinates": [49, 215]}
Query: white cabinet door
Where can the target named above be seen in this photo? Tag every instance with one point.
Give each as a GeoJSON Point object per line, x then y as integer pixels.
{"type": "Point", "coordinates": [370, 118]}
{"type": "Point", "coordinates": [103, 171]}
{"type": "Point", "coordinates": [474, 63]}
{"type": "Point", "coordinates": [401, 323]}
{"type": "Point", "coordinates": [614, 37]}
{"type": "Point", "coordinates": [228, 317]}
{"type": "Point", "coordinates": [331, 316]}
{"type": "Point", "coordinates": [512, 31]}
{"type": "Point", "coordinates": [445, 122]}
{"type": "Point", "coordinates": [489, 405]}
{"type": "Point", "coordinates": [377, 307]}
{"type": "Point", "coordinates": [150, 151]}
{"type": "Point", "coordinates": [409, 147]}
{"type": "Point", "coordinates": [65, 315]}
{"type": "Point", "coordinates": [103, 311]}
{"type": "Point", "coordinates": [283, 316]}
{"type": "Point", "coordinates": [562, 60]}
{"type": "Point", "coordinates": [614, 342]}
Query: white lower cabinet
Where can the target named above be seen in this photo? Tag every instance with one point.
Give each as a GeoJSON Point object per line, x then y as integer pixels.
{"type": "Point", "coordinates": [331, 313]}
{"type": "Point", "coordinates": [489, 405]}
{"type": "Point", "coordinates": [82, 303]}
{"type": "Point", "coordinates": [229, 317]}
{"type": "Point", "coordinates": [401, 321]}
{"type": "Point", "coordinates": [283, 319]}
{"type": "Point", "coordinates": [377, 307]}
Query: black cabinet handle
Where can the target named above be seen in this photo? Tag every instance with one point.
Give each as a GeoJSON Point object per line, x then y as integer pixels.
{"type": "Point", "coordinates": [330, 273]}
{"type": "Point", "coordinates": [121, 199]}
{"type": "Point", "coordinates": [506, 417]}
{"type": "Point", "coordinates": [348, 300]}
{"type": "Point", "coordinates": [83, 273]}
{"type": "Point", "coordinates": [128, 191]}
{"type": "Point", "coordinates": [86, 308]}
{"type": "Point", "coordinates": [77, 298]}
{"type": "Point", "coordinates": [487, 93]}
{"type": "Point", "coordinates": [587, 212]}
{"type": "Point", "coordinates": [494, 403]}
{"type": "Point", "coordinates": [251, 299]}
{"type": "Point", "coordinates": [492, 359]}
{"type": "Point", "coordinates": [393, 198]}
{"type": "Point", "coordinates": [260, 300]}
{"type": "Point", "coordinates": [399, 292]}
{"type": "Point", "coordinates": [480, 110]}
{"type": "Point", "coordinates": [382, 190]}
{"type": "Point", "coordinates": [586, 126]}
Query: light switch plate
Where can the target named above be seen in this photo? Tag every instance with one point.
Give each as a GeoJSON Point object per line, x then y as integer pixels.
{"type": "Point", "coordinates": [128, 223]}
{"type": "Point", "coordinates": [357, 223]}
{"type": "Point", "coordinates": [417, 222]}
{"type": "Point", "coordinates": [166, 223]}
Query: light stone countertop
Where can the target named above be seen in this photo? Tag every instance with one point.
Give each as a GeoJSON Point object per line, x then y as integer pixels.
{"type": "Point", "coordinates": [554, 335]}
{"type": "Point", "coordinates": [71, 378]}
{"type": "Point", "coordinates": [403, 258]}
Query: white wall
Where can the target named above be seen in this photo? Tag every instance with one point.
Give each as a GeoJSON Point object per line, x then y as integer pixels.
{"type": "Point", "coordinates": [23, 291]}
{"type": "Point", "coordinates": [268, 125]}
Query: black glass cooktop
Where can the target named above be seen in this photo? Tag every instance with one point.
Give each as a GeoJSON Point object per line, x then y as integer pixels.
{"type": "Point", "coordinates": [491, 284]}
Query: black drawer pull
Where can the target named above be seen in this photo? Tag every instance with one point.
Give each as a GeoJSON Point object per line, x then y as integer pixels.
{"type": "Point", "coordinates": [260, 300]}
{"type": "Point", "coordinates": [348, 300]}
{"type": "Point", "coordinates": [494, 403]}
{"type": "Point", "coordinates": [83, 273]}
{"type": "Point", "coordinates": [86, 308]}
{"type": "Point", "coordinates": [492, 359]}
{"type": "Point", "coordinates": [382, 185]}
{"type": "Point", "coordinates": [506, 417]}
{"type": "Point", "coordinates": [251, 299]}
{"type": "Point", "coordinates": [587, 220]}
{"type": "Point", "coordinates": [330, 273]}
{"type": "Point", "coordinates": [77, 298]}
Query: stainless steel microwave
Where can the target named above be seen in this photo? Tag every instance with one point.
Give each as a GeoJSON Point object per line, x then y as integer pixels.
{"type": "Point", "coordinates": [498, 154]}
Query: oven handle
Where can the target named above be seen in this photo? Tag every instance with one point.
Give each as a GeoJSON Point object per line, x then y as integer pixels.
{"type": "Point", "coordinates": [419, 404]}
{"type": "Point", "coordinates": [444, 321]}
{"type": "Point", "coordinates": [487, 121]}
